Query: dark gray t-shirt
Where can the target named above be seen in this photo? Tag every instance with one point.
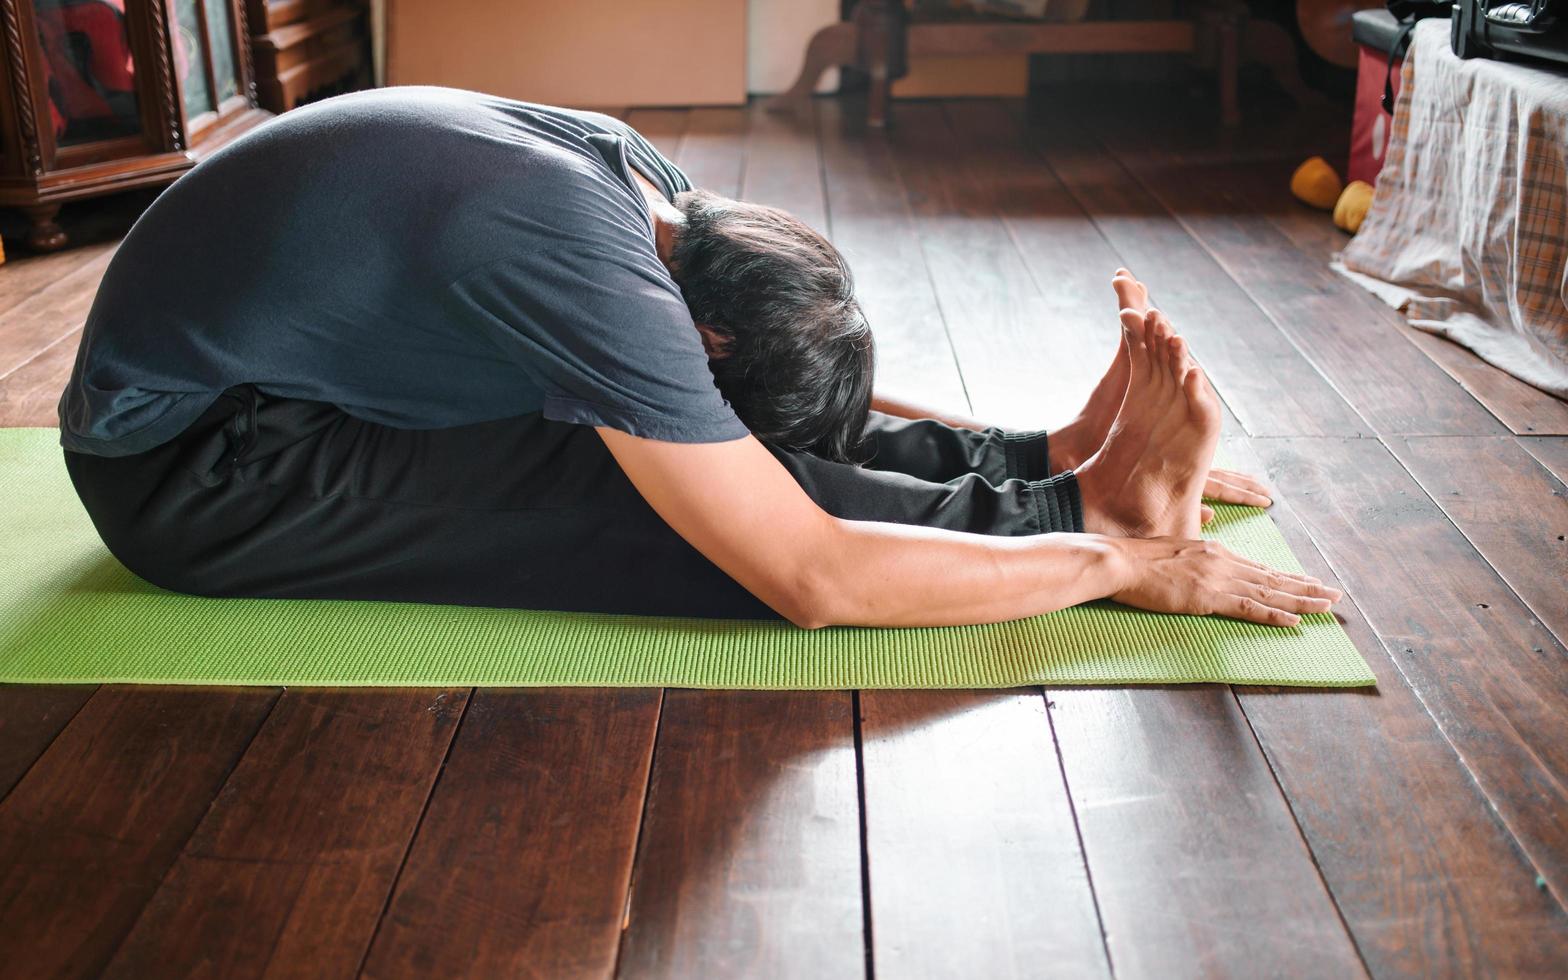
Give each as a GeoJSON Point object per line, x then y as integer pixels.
{"type": "Point", "coordinates": [420, 257]}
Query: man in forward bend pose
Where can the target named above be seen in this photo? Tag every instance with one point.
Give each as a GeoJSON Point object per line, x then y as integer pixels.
{"type": "Point", "coordinates": [427, 345]}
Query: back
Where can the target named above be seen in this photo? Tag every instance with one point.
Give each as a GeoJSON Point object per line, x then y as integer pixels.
{"type": "Point", "coordinates": [315, 258]}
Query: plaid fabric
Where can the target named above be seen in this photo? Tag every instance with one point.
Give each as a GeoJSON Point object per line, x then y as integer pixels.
{"type": "Point", "coordinates": [1468, 232]}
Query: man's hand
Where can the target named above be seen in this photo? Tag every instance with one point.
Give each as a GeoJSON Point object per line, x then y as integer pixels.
{"type": "Point", "coordinates": [1204, 577]}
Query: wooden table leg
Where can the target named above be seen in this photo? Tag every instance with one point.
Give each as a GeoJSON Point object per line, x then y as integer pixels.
{"type": "Point", "coordinates": [884, 43]}
{"type": "Point", "coordinates": [1266, 42]}
{"type": "Point", "coordinates": [1228, 19]}
{"type": "Point", "coordinates": [45, 235]}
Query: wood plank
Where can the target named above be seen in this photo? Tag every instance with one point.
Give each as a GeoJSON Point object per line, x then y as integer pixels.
{"type": "Point", "coordinates": [871, 225]}
{"type": "Point", "coordinates": [661, 127]}
{"type": "Point", "coordinates": [31, 715]}
{"type": "Point", "coordinates": [23, 278]}
{"type": "Point", "coordinates": [975, 865]}
{"type": "Point", "coordinates": [1525, 409]}
{"type": "Point", "coordinates": [713, 152]}
{"type": "Point", "coordinates": [1428, 880]}
{"type": "Point", "coordinates": [1026, 362]}
{"type": "Point", "coordinates": [749, 862]}
{"type": "Point", "coordinates": [1182, 760]}
{"type": "Point", "coordinates": [30, 395]}
{"type": "Point", "coordinates": [1511, 508]}
{"type": "Point", "coordinates": [1522, 408]}
{"type": "Point", "coordinates": [1336, 325]}
{"type": "Point", "coordinates": [1553, 454]}
{"type": "Point", "coordinates": [522, 860]}
{"type": "Point", "coordinates": [290, 870]}
{"type": "Point", "coordinates": [50, 314]}
{"type": "Point", "coordinates": [89, 832]}
{"type": "Point", "coordinates": [1197, 862]}
{"type": "Point", "coordinates": [1258, 371]}
{"type": "Point", "coordinates": [1484, 666]}
{"type": "Point", "coordinates": [1258, 161]}
{"type": "Point", "coordinates": [1002, 844]}
{"type": "Point", "coordinates": [784, 166]}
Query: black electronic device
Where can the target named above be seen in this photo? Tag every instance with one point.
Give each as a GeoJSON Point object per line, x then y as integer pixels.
{"type": "Point", "coordinates": [1511, 30]}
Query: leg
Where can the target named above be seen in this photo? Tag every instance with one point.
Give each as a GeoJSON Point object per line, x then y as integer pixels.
{"type": "Point", "coordinates": [45, 235]}
{"type": "Point", "coordinates": [967, 502]}
{"type": "Point", "coordinates": [289, 499]}
{"type": "Point", "coordinates": [936, 452]}
{"type": "Point", "coordinates": [932, 454]}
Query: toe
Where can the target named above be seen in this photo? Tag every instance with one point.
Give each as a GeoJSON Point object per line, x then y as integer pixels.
{"type": "Point", "coordinates": [1160, 335]}
{"type": "Point", "coordinates": [1130, 293]}
{"type": "Point", "coordinates": [1126, 298]}
{"type": "Point", "coordinates": [1134, 329]}
{"type": "Point", "coordinates": [1180, 362]}
{"type": "Point", "coordinates": [1153, 344]}
{"type": "Point", "coordinates": [1202, 404]}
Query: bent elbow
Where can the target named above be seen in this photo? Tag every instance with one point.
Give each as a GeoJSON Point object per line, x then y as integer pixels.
{"type": "Point", "coordinates": [807, 614]}
{"type": "Point", "coordinates": [809, 620]}
{"type": "Point", "coordinates": [809, 604]}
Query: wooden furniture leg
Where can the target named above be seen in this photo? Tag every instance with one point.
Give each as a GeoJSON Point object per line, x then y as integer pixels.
{"type": "Point", "coordinates": [883, 55]}
{"type": "Point", "coordinates": [45, 235]}
{"type": "Point", "coordinates": [1268, 43]}
{"type": "Point", "coordinates": [1220, 48]}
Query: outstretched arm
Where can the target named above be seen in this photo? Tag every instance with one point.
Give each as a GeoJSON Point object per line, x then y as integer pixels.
{"type": "Point", "coordinates": [738, 506]}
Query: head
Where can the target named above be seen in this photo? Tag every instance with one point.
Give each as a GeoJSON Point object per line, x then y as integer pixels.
{"type": "Point", "coordinates": [788, 345]}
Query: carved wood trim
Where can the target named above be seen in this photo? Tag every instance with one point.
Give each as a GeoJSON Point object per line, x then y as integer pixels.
{"type": "Point", "coordinates": [239, 24]}
{"type": "Point", "coordinates": [158, 21]}
{"type": "Point", "coordinates": [21, 87]}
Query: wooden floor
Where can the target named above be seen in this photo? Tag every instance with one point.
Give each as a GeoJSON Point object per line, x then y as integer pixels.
{"type": "Point", "coordinates": [1417, 831]}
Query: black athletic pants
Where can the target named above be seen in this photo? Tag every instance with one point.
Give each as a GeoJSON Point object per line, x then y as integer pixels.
{"type": "Point", "coordinates": [270, 497]}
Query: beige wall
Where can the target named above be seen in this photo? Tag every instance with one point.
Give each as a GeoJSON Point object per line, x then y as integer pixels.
{"type": "Point", "coordinates": [598, 53]}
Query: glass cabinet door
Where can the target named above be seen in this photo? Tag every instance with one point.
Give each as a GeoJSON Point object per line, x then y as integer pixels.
{"type": "Point", "coordinates": [220, 40]}
{"type": "Point", "coordinates": [89, 74]}
{"type": "Point", "coordinates": [209, 72]}
{"type": "Point", "coordinates": [191, 56]}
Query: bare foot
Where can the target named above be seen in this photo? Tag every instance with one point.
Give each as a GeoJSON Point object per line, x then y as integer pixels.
{"type": "Point", "coordinates": [1147, 479]}
{"type": "Point", "coordinates": [1079, 439]}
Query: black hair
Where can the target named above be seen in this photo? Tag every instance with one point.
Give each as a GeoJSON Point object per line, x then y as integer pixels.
{"type": "Point", "coordinates": [793, 352]}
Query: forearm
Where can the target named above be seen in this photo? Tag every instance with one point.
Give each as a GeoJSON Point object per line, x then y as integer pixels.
{"type": "Point", "coordinates": [874, 574]}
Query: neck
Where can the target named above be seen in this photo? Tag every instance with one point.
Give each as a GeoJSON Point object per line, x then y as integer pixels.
{"type": "Point", "coordinates": [667, 220]}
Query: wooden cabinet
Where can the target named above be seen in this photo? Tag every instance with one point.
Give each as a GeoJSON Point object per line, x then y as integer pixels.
{"type": "Point", "coordinates": [105, 95]}
{"type": "Point", "coordinates": [308, 49]}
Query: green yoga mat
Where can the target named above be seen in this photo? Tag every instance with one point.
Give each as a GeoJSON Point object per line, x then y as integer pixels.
{"type": "Point", "coordinates": [70, 613]}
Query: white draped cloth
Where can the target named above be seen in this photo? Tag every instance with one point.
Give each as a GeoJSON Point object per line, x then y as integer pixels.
{"type": "Point", "coordinates": [1468, 230]}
